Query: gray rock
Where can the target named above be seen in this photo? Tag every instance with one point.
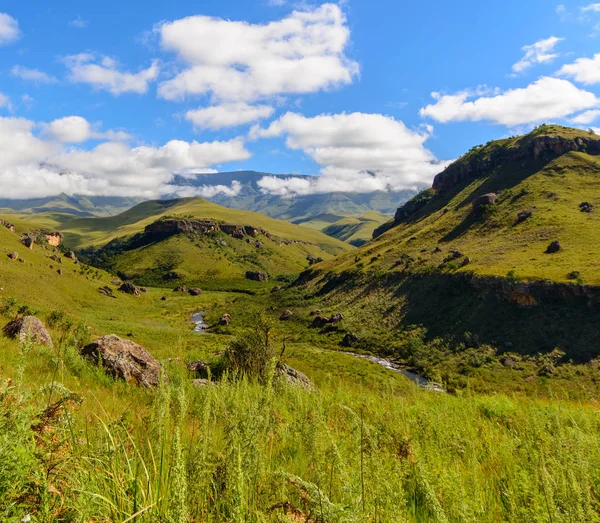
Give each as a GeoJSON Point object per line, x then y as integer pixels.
{"type": "Point", "coordinates": [124, 359]}
{"type": "Point", "coordinates": [28, 326]}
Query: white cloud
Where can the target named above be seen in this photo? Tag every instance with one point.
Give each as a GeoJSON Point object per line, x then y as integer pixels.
{"type": "Point", "coordinates": [358, 152]}
{"type": "Point", "coordinates": [591, 7]}
{"type": "Point", "coordinates": [586, 117]}
{"type": "Point", "coordinates": [228, 115]}
{"type": "Point", "coordinates": [4, 101]}
{"type": "Point", "coordinates": [103, 73]}
{"type": "Point", "coordinates": [34, 165]}
{"type": "Point", "coordinates": [584, 70]}
{"type": "Point", "coordinates": [208, 191]}
{"type": "Point", "coordinates": [9, 29]}
{"type": "Point", "coordinates": [79, 23]}
{"type": "Point", "coordinates": [75, 129]}
{"type": "Point", "coordinates": [70, 129]}
{"type": "Point", "coordinates": [538, 53]}
{"type": "Point", "coordinates": [237, 61]}
{"type": "Point", "coordinates": [546, 99]}
{"type": "Point", "coordinates": [32, 75]}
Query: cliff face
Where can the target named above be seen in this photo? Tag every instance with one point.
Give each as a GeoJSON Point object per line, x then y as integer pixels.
{"type": "Point", "coordinates": [482, 162]}
{"type": "Point", "coordinates": [165, 228]}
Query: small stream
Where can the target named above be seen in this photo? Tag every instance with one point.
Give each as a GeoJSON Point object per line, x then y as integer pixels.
{"type": "Point", "coordinates": [198, 320]}
{"type": "Point", "coordinates": [421, 381]}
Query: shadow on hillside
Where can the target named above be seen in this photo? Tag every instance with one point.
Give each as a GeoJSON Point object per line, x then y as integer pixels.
{"type": "Point", "coordinates": [450, 305]}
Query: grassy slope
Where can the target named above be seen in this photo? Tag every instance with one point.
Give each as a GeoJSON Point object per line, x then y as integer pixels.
{"type": "Point", "coordinates": [497, 244]}
{"type": "Point", "coordinates": [375, 281]}
{"type": "Point", "coordinates": [201, 261]}
{"type": "Point", "coordinates": [353, 229]}
{"type": "Point", "coordinates": [98, 231]}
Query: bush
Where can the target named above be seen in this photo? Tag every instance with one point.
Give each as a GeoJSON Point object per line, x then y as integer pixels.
{"type": "Point", "coordinates": [252, 354]}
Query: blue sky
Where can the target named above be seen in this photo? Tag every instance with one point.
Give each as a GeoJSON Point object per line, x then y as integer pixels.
{"type": "Point", "coordinates": [114, 98]}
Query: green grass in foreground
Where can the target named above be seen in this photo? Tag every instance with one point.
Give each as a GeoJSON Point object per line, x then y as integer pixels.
{"type": "Point", "coordinates": [239, 451]}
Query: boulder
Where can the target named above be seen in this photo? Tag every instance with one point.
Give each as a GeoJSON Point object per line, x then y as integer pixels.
{"type": "Point", "coordinates": [28, 241]}
{"type": "Point", "coordinates": [257, 276]}
{"type": "Point", "coordinates": [181, 289]}
{"type": "Point", "coordinates": [586, 207]}
{"type": "Point", "coordinates": [554, 247]}
{"type": "Point", "coordinates": [277, 288]}
{"type": "Point", "coordinates": [172, 275]}
{"type": "Point", "coordinates": [13, 255]}
{"type": "Point", "coordinates": [130, 288]}
{"type": "Point", "coordinates": [164, 298]}
{"type": "Point", "coordinates": [59, 271]}
{"type": "Point", "coordinates": [251, 231]}
{"type": "Point", "coordinates": [465, 262]}
{"type": "Point", "coordinates": [523, 215]}
{"type": "Point", "coordinates": [350, 339]}
{"type": "Point", "coordinates": [235, 231]}
{"type": "Point", "coordinates": [106, 291]}
{"type": "Point", "coordinates": [286, 316]}
{"type": "Point", "coordinates": [116, 282]}
{"type": "Point", "coordinates": [28, 326]}
{"type": "Point", "coordinates": [292, 376]}
{"type": "Point", "coordinates": [336, 318]}
{"type": "Point", "coordinates": [316, 312]}
{"type": "Point", "coordinates": [484, 199]}
{"type": "Point", "coordinates": [320, 321]}
{"type": "Point", "coordinates": [71, 256]}
{"type": "Point", "coordinates": [225, 319]}
{"type": "Point", "coordinates": [199, 368]}
{"type": "Point", "coordinates": [124, 359]}
{"type": "Point", "coordinates": [195, 292]}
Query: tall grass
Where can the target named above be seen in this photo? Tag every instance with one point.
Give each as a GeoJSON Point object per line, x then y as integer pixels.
{"type": "Point", "coordinates": [248, 450]}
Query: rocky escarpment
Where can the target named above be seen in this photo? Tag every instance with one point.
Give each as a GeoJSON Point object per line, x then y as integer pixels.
{"type": "Point", "coordinates": [164, 228]}
{"type": "Point", "coordinates": [484, 160]}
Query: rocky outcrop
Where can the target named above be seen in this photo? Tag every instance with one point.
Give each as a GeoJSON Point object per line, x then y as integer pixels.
{"type": "Point", "coordinates": [482, 162]}
{"type": "Point", "coordinates": [8, 225]}
{"type": "Point", "coordinates": [170, 227]}
{"type": "Point", "coordinates": [195, 291]}
{"type": "Point", "coordinates": [554, 247]}
{"type": "Point", "coordinates": [257, 276]}
{"type": "Point", "coordinates": [130, 288]}
{"type": "Point", "coordinates": [28, 327]}
{"type": "Point", "coordinates": [13, 255]}
{"type": "Point", "coordinates": [124, 359]}
{"type": "Point", "coordinates": [54, 238]}
{"type": "Point", "coordinates": [106, 291]}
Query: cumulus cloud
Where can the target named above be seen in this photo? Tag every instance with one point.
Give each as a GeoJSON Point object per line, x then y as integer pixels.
{"type": "Point", "coordinates": [32, 75]}
{"type": "Point", "coordinates": [102, 72]}
{"type": "Point", "coordinates": [228, 115]}
{"type": "Point", "coordinates": [538, 53]}
{"type": "Point", "coordinates": [357, 152]}
{"type": "Point", "coordinates": [9, 29]}
{"type": "Point", "coordinates": [584, 70]}
{"type": "Point", "coordinates": [591, 7]}
{"type": "Point", "coordinates": [546, 99]}
{"type": "Point", "coordinates": [237, 61]}
{"type": "Point", "coordinates": [586, 117]}
{"type": "Point", "coordinates": [35, 165]}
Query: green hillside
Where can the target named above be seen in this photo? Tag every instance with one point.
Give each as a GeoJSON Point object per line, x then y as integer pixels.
{"type": "Point", "coordinates": [353, 229]}
{"type": "Point", "coordinates": [117, 243]}
{"type": "Point", "coordinates": [455, 266]}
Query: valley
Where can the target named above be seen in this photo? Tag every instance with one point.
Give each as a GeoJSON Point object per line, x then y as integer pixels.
{"type": "Point", "coordinates": [288, 360]}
